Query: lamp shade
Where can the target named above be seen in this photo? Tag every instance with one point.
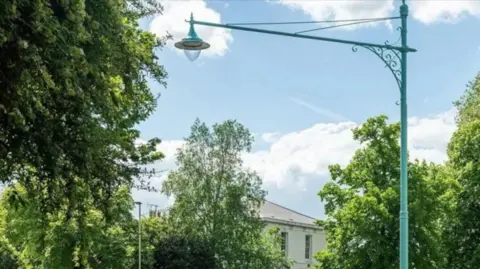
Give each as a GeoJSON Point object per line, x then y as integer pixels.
{"type": "Point", "coordinates": [192, 44]}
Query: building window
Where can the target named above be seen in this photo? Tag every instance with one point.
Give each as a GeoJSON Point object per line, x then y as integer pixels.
{"type": "Point", "coordinates": [308, 246]}
{"type": "Point", "coordinates": [284, 243]}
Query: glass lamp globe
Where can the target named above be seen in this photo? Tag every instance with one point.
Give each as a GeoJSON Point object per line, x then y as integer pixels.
{"type": "Point", "coordinates": [192, 55]}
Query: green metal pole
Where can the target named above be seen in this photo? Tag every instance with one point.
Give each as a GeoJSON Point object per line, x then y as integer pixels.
{"type": "Point", "coordinates": [404, 49]}
{"type": "Point", "coordinates": [319, 38]}
{"type": "Point", "coordinates": [139, 234]}
{"type": "Point", "coordinates": [403, 145]}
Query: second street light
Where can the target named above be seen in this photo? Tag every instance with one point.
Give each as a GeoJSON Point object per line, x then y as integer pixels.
{"type": "Point", "coordinates": [139, 234]}
{"type": "Point", "coordinates": [395, 59]}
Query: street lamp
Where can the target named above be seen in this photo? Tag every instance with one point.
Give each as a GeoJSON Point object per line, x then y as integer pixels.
{"type": "Point", "coordinates": [139, 234]}
{"type": "Point", "coordinates": [395, 58]}
{"type": "Point", "coordinates": [192, 45]}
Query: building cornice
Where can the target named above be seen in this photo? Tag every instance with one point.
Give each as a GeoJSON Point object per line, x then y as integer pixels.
{"type": "Point", "coordinates": [292, 223]}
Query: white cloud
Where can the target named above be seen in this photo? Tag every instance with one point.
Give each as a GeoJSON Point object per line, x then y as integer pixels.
{"type": "Point", "coordinates": [322, 111]}
{"type": "Point", "coordinates": [429, 11]}
{"type": "Point", "coordinates": [426, 11]}
{"type": "Point", "coordinates": [428, 137]}
{"type": "Point", "coordinates": [298, 161]}
{"type": "Point", "coordinates": [299, 155]}
{"type": "Point", "coordinates": [169, 148]}
{"type": "Point", "coordinates": [173, 21]}
{"type": "Point", "coordinates": [342, 9]}
{"type": "Point", "coordinates": [307, 152]}
{"type": "Point", "coordinates": [270, 137]}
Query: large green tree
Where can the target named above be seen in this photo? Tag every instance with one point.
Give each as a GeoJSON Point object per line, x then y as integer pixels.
{"type": "Point", "coordinates": [362, 205]}
{"type": "Point", "coordinates": [216, 198]}
{"type": "Point", "coordinates": [180, 252]}
{"type": "Point", "coordinates": [463, 237]}
{"type": "Point", "coordinates": [469, 104]}
{"type": "Point", "coordinates": [74, 84]}
{"type": "Point", "coordinates": [9, 257]}
{"type": "Point", "coordinates": [58, 242]}
{"type": "Point", "coordinates": [154, 229]}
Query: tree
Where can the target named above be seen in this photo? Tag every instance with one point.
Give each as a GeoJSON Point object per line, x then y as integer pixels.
{"type": "Point", "coordinates": [362, 205]}
{"type": "Point", "coordinates": [9, 258]}
{"type": "Point", "coordinates": [74, 79]}
{"type": "Point", "coordinates": [177, 252]}
{"type": "Point", "coordinates": [55, 242]}
{"type": "Point", "coordinates": [469, 104]}
{"type": "Point", "coordinates": [463, 236]}
{"type": "Point", "coordinates": [154, 229]}
{"type": "Point", "coordinates": [216, 198]}
{"type": "Point", "coordinates": [266, 251]}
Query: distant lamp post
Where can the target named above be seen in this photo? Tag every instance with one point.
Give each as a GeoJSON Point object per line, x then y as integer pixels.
{"type": "Point", "coordinates": [394, 57]}
{"type": "Point", "coordinates": [139, 234]}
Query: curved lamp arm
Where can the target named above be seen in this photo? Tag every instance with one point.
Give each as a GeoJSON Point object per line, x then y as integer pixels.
{"type": "Point", "coordinates": [389, 54]}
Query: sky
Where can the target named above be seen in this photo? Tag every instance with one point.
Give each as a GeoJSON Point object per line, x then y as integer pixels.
{"type": "Point", "coordinates": [301, 98]}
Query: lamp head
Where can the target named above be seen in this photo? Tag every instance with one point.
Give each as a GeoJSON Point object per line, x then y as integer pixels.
{"type": "Point", "coordinates": [192, 45]}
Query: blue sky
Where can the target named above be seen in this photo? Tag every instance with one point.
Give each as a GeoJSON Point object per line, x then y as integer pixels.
{"type": "Point", "coordinates": [301, 97]}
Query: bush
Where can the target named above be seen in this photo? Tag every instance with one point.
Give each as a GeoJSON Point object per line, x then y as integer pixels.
{"type": "Point", "coordinates": [177, 252]}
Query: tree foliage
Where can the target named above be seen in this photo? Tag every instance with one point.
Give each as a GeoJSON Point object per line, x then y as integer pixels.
{"type": "Point", "coordinates": [463, 236]}
{"type": "Point", "coordinates": [85, 240]}
{"type": "Point", "coordinates": [154, 229]}
{"type": "Point", "coordinates": [9, 257]}
{"type": "Point", "coordinates": [362, 205]}
{"type": "Point", "coordinates": [179, 252]}
{"type": "Point", "coordinates": [216, 198]}
{"type": "Point", "coordinates": [469, 104]}
{"type": "Point", "coordinates": [73, 80]}
{"type": "Point", "coordinates": [266, 251]}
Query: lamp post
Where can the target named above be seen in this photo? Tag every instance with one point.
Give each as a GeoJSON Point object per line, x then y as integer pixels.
{"type": "Point", "coordinates": [139, 234]}
{"type": "Point", "coordinates": [395, 58]}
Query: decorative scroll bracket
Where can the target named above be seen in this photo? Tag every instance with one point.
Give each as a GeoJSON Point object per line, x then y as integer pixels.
{"type": "Point", "coordinates": [390, 57]}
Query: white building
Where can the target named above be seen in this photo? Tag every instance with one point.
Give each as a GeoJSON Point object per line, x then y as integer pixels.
{"type": "Point", "coordinates": [301, 237]}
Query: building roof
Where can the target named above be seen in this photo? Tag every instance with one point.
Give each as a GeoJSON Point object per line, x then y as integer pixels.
{"type": "Point", "coordinates": [277, 213]}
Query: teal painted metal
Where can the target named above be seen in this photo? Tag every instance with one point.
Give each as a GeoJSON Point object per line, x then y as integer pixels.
{"type": "Point", "coordinates": [192, 42]}
{"type": "Point", "coordinates": [395, 58]}
{"type": "Point", "coordinates": [403, 145]}
{"type": "Point", "coordinates": [391, 58]}
{"type": "Point", "coordinates": [263, 31]}
{"type": "Point", "coordinates": [192, 35]}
